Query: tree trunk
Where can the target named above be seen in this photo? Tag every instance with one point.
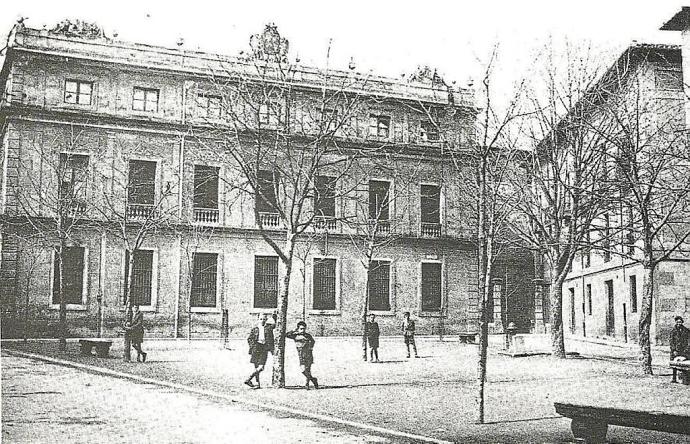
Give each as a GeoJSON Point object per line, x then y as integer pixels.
{"type": "Point", "coordinates": [63, 303]}
{"type": "Point", "coordinates": [482, 283]}
{"type": "Point", "coordinates": [365, 312]}
{"type": "Point", "coordinates": [556, 299]}
{"type": "Point", "coordinates": [646, 318]}
{"type": "Point", "coordinates": [281, 325]}
{"type": "Point", "coordinates": [128, 306]}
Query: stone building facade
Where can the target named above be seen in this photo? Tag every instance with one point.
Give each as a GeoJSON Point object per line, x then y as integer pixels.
{"type": "Point", "coordinates": [117, 124]}
{"type": "Point", "coordinates": [602, 294]}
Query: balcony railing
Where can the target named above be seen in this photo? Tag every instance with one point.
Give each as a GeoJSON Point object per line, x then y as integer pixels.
{"type": "Point", "coordinates": [270, 220]}
{"type": "Point", "coordinates": [140, 211]}
{"type": "Point", "coordinates": [383, 227]}
{"type": "Point", "coordinates": [429, 229]}
{"type": "Point", "coordinates": [206, 215]}
{"type": "Point", "coordinates": [325, 223]}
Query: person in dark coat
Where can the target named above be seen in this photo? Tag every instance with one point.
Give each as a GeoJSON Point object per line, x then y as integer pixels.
{"type": "Point", "coordinates": [373, 333]}
{"type": "Point", "coordinates": [680, 343]}
{"type": "Point", "coordinates": [408, 329]}
{"type": "Point", "coordinates": [261, 342]}
{"type": "Point", "coordinates": [136, 333]}
{"type": "Point", "coordinates": [305, 346]}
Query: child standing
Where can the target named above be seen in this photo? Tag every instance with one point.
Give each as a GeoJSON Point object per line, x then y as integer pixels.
{"type": "Point", "coordinates": [305, 344]}
{"type": "Point", "coordinates": [373, 333]}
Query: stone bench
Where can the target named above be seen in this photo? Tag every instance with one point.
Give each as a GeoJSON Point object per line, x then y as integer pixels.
{"type": "Point", "coordinates": [684, 368]}
{"type": "Point", "coordinates": [590, 423]}
{"type": "Point", "coordinates": [467, 338]}
{"type": "Point", "coordinates": [102, 347]}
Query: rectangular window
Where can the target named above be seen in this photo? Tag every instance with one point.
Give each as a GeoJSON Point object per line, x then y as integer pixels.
{"type": "Point", "coordinates": [141, 188]}
{"type": "Point", "coordinates": [270, 113]}
{"type": "Point", "coordinates": [204, 279]}
{"type": "Point", "coordinates": [428, 131]}
{"type": "Point", "coordinates": [589, 299]}
{"type": "Point", "coordinates": [205, 186]}
{"type": "Point", "coordinates": [265, 282]}
{"type": "Point", "coordinates": [379, 286]}
{"type": "Point", "coordinates": [145, 99]}
{"type": "Point", "coordinates": [431, 287]}
{"type": "Point", "coordinates": [587, 253]}
{"type": "Point", "coordinates": [324, 200]}
{"type": "Point", "coordinates": [431, 204]}
{"type": "Point", "coordinates": [72, 275]}
{"type": "Point", "coordinates": [669, 79]}
{"type": "Point", "coordinates": [328, 119]}
{"type": "Point", "coordinates": [73, 178]}
{"type": "Point", "coordinates": [633, 294]}
{"type": "Point", "coordinates": [78, 92]}
{"type": "Point", "coordinates": [209, 106]}
{"type": "Point", "coordinates": [266, 194]}
{"type": "Point", "coordinates": [324, 283]}
{"type": "Point", "coordinates": [606, 242]}
{"type": "Point", "coordinates": [378, 200]}
{"type": "Point", "coordinates": [379, 126]}
{"type": "Point", "coordinates": [142, 277]}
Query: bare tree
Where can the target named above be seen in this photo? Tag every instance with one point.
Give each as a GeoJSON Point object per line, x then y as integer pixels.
{"type": "Point", "coordinates": [280, 139]}
{"type": "Point", "coordinates": [641, 122]}
{"type": "Point", "coordinates": [565, 194]}
{"type": "Point", "coordinates": [51, 198]}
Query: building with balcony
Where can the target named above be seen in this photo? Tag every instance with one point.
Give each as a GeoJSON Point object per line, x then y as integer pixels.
{"type": "Point", "coordinates": [118, 133]}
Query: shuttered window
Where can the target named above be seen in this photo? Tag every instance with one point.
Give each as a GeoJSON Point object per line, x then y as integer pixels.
{"type": "Point", "coordinates": [142, 182]}
{"type": "Point", "coordinates": [379, 286]}
{"type": "Point", "coordinates": [204, 279]}
{"type": "Point", "coordinates": [324, 202]}
{"type": "Point", "coordinates": [324, 284]}
{"type": "Point", "coordinates": [266, 199]}
{"type": "Point", "coordinates": [205, 186]}
{"type": "Point", "coordinates": [378, 200]}
{"type": "Point", "coordinates": [431, 204]}
{"type": "Point", "coordinates": [265, 282]}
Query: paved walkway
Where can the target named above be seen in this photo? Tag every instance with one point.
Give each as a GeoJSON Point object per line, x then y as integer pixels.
{"type": "Point", "coordinates": [432, 396]}
{"type": "Point", "coordinates": [47, 403]}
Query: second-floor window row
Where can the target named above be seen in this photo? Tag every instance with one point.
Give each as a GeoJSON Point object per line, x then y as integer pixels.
{"type": "Point", "coordinates": [78, 92]}
{"type": "Point", "coordinates": [145, 99]}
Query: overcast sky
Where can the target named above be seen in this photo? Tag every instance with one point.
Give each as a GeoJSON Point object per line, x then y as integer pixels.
{"type": "Point", "coordinates": [388, 37]}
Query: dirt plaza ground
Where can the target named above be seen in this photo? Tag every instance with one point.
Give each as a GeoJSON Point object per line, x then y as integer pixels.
{"type": "Point", "coordinates": [432, 396]}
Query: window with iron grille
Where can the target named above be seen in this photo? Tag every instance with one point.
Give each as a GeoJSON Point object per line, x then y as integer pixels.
{"type": "Point", "coordinates": [429, 131]}
{"type": "Point", "coordinates": [205, 186]}
{"type": "Point", "coordinates": [209, 105]}
{"type": "Point", "coordinates": [265, 282]}
{"type": "Point", "coordinates": [142, 182]}
{"type": "Point", "coordinates": [324, 284]}
{"type": "Point", "coordinates": [73, 178]}
{"type": "Point", "coordinates": [145, 99]}
{"type": "Point", "coordinates": [379, 126]}
{"type": "Point", "coordinates": [379, 286]}
{"type": "Point", "coordinates": [324, 202]}
{"type": "Point", "coordinates": [204, 279]}
{"type": "Point", "coordinates": [633, 294]}
{"type": "Point", "coordinates": [142, 277]}
{"type": "Point", "coordinates": [378, 199]}
{"type": "Point", "coordinates": [72, 275]}
{"type": "Point", "coordinates": [78, 92]}
{"type": "Point", "coordinates": [431, 287]}
{"type": "Point", "coordinates": [431, 204]}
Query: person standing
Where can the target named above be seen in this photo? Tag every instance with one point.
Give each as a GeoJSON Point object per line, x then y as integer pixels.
{"type": "Point", "coordinates": [305, 345]}
{"type": "Point", "coordinates": [408, 329]}
{"type": "Point", "coordinates": [136, 332]}
{"type": "Point", "coordinates": [680, 343]}
{"type": "Point", "coordinates": [261, 342]}
{"type": "Point", "coordinates": [373, 333]}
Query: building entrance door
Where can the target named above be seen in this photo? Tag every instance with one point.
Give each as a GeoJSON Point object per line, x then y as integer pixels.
{"type": "Point", "coordinates": [610, 318]}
